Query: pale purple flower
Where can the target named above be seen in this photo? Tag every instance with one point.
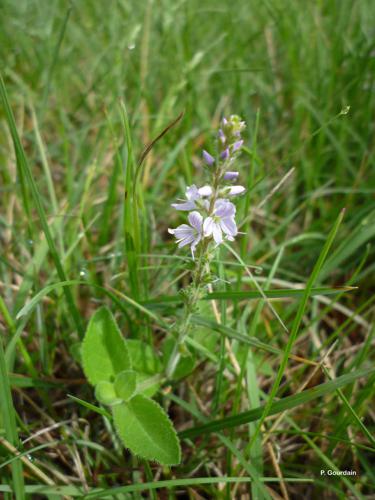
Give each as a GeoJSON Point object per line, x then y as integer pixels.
{"type": "Point", "coordinates": [225, 154]}
{"type": "Point", "coordinates": [209, 159]}
{"type": "Point", "coordinates": [189, 235]}
{"type": "Point", "coordinates": [193, 194]}
{"type": "Point", "coordinates": [237, 145]}
{"type": "Point", "coordinates": [222, 137]}
{"type": "Point", "coordinates": [221, 221]}
{"type": "Point", "coordinates": [231, 176]}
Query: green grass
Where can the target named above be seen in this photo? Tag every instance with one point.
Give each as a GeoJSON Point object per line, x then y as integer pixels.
{"type": "Point", "coordinates": [84, 213]}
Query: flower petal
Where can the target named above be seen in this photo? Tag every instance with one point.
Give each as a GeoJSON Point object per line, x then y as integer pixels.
{"type": "Point", "coordinates": [224, 208]}
{"type": "Point", "coordinates": [187, 205]}
{"type": "Point", "coordinates": [182, 231]}
{"type": "Point", "coordinates": [237, 145]}
{"type": "Point", "coordinates": [236, 190]}
{"type": "Point", "coordinates": [196, 220]}
{"type": "Point", "coordinates": [222, 137]}
{"type": "Point", "coordinates": [208, 226]}
{"type": "Point", "coordinates": [209, 159]}
{"type": "Point", "coordinates": [228, 225]}
{"type": "Point", "coordinates": [185, 241]}
{"type": "Point", "coordinates": [217, 234]}
{"type": "Point", "coordinates": [231, 176]}
{"type": "Point", "coordinates": [205, 191]}
{"type": "Point", "coordinates": [225, 154]}
{"type": "Point", "coordinates": [192, 193]}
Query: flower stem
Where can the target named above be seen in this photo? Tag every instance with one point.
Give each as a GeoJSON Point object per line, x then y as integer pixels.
{"type": "Point", "coordinates": [202, 269]}
{"type": "Point", "coordinates": [190, 305]}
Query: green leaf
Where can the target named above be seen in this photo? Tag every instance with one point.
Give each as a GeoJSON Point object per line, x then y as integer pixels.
{"type": "Point", "coordinates": [146, 430]}
{"type": "Point", "coordinates": [105, 393]}
{"type": "Point", "coordinates": [125, 384]}
{"type": "Point", "coordinates": [104, 351]}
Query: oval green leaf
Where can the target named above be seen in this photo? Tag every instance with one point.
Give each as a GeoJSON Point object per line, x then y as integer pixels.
{"type": "Point", "coordinates": [105, 393]}
{"type": "Point", "coordinates": [147, 431]}
{"type": "Point", "coordinates": [125, 384]}
{"type": "Point", "coordinates": [104, 351]}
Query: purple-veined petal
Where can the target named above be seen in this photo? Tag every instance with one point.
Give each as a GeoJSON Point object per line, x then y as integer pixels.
{"type": "Point", "coordinates": [225, 209]}
{"type": "Point", "coordinates": [196, 220]}
{"type": "Point", "coordinates": [192, 193]}
{"type": "Point", "coordinates": [228, 225]}
{"type": "Point", "coordinates": [231, 176]}
{"type": "Point", "coordinates": [217, 234]}
{"type": "Point", "coordinates": [188, 205]}
{"type": "Point", "coordinates": [182, 227]}
{"type": "Point", "coordinates": [182, 231]}
{"type": "Point", "coordinates": [208, 226]}
{"type": "Point", "coordinates": [209, 159]}
{"type": "Point", "coordinates": [194, 244]}
{"type": "Point", "coordinates": [186, 241]}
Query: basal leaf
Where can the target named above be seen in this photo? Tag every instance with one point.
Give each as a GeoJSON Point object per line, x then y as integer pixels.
{"type": "Point", "coordinates": [125, 384]}
{"type": "Point", "coordinates": [105, 393]}
{"type": "Point", "coordinates": [147, 431]}
{"type": "Point", "coordinates": [104, 351]}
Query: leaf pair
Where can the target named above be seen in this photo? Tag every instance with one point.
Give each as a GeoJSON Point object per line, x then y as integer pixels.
{"type": "Point", "coordinates": [141, 423]}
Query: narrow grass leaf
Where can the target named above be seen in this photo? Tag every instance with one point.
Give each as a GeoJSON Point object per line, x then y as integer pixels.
{"type": "Point", "coordinates": [26, 171]}
{"type": "Point", "coordinates": [279, 406]}
{"type": "Point", "coordinates": [297, 322]}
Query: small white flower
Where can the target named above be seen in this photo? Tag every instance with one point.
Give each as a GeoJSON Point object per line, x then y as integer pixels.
{"type": "Point", "coordinates": [235, 190]}
{"type": "Point", "coordinates": [221, 221]}
{"type": "Point", "coordinates": [205, 191]}
{"type": "Point", "coordinates": [193, 195]}
{"type": "Point", "coordinates": [189, 235]}
{"type": "Point", "coordinates": [232, 190]}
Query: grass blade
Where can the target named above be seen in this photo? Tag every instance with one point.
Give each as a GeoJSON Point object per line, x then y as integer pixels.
{"type": "Point", "coordinates": [26, 172]}
{"type": "Point", "coordinates": [9, 422]}
{"type": "Point", "coordinates": [283, 404]}
{"type": "Point", "coordinates": [297, 322]}
{"type": "Point", "coordinates": [255, 294]}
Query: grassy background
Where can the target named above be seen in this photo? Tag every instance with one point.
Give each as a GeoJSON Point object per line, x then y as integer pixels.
{"type": "Point", "coordinates": [302, 75]}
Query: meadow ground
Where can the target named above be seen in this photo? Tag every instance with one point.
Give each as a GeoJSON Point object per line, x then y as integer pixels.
{"type": "Point", "coordinates": [262, 412]}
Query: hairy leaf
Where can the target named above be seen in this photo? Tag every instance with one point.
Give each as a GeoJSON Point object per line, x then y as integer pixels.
{"type": "Point", "coordinates": [105, 393]}
{"type": "Point", "coordinates": [146, 430]}
{"type": "Point", "coordinates": [104, 351]}
{"type": "Point", "coordinates": [125, 384]}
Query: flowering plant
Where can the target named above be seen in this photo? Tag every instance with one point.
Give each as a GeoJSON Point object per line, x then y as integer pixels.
{"type": "Point", "coordinates": [211, 220]}
{"type": "Point", "coordinates": [112, 363]}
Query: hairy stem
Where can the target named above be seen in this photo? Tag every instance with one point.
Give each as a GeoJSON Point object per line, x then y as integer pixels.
{"type": "Point", "coordinates": [199, 274]}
